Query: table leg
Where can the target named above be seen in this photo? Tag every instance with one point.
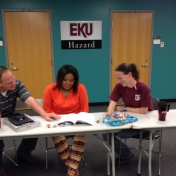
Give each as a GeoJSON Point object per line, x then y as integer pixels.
{"type": "Point", "coordinates": [150, 154]}
{"type": "Point", "coordinates": [140, 154]}
{"type": "Point", "coordinates": [108, 157]}
{"type": "Point", "coordinates": [113, 154]}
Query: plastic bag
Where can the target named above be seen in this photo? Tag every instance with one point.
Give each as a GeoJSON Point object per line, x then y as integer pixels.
{"type": "Point", "coordinates": [118, 119]}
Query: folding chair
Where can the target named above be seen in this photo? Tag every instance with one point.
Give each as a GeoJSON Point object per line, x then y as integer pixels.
{"type": "Point", "coordinates": [19, 106]}
{"type": "Point", "coordinates": [11, 148]}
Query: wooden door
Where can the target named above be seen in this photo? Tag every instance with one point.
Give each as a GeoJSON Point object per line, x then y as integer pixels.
{"type": "Point", "coordinates": [28, 44]}
{"type": "Point", "coordinates": [131, 42]}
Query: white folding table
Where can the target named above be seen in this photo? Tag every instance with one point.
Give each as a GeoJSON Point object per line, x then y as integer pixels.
{"type": "Point", "coordinates": [147, 121]}
{"type": "Point", "coordinates": [44, 131]}
{"type": "Point", "coordinates": [150, 122]}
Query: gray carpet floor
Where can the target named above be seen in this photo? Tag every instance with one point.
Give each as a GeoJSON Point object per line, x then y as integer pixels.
{"type": "Point", "coordinates": [95, 156]}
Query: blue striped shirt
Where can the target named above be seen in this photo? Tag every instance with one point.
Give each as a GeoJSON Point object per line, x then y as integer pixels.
{"type": "Point", "coordinates": [8, 103]}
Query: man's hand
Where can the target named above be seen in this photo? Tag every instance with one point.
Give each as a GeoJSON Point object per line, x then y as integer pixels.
{"type": "Point", "coordinates": [120, 108]}
{"type": "Point", "coordinates": [51, 116]}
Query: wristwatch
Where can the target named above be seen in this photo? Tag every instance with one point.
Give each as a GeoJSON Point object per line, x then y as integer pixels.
{"type": "Point", "coordinates": [125, 108]}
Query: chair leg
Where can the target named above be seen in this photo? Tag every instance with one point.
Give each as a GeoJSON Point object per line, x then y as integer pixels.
{"type": "Point", "coordinates": [159, 154]}
{"type": "Point", "coordinates": [14, 147]}
{"type": "Point", "coordinates": [46, 154]}
{"type": "Point", "coordinates": [84, 161]}
{"type": "Point", "coordinates": [15, 151]}
{"type": "Point", "coordinates": [120, 150]}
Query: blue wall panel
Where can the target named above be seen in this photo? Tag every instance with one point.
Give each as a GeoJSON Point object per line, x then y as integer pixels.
{"type": "Point", "coordinates": [93, 64]}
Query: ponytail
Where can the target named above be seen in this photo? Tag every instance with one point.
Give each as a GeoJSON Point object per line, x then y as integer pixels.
{"type": "Point", "coordinates": [126, 68]}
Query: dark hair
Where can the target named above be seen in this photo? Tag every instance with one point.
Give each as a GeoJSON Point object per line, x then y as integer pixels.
{"type": "Point", "coordinates": [126, 68]}
{"type": "Point", "coordinates": [2, 71]}
{"type": "Point", "coordinates": [66, 69]}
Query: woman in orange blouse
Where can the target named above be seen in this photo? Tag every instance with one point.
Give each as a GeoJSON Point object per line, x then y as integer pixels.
{"type": "Point", "coordinates": [66, 96]}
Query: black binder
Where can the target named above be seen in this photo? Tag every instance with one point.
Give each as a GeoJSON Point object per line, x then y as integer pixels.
{"type": "Point", "coordinates": [19, 119]}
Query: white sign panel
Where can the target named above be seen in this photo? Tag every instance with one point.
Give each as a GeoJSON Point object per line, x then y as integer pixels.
{"type": "Point", "coordinates": [81, 34]}
{"type": "Point", "coordinates": [156, 40]}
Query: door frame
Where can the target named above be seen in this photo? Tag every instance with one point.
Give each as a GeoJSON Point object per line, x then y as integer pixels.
{"type": "Point", "coordinates": [151, 46]}
{"type": "Point", "coordinates": [51, 34]}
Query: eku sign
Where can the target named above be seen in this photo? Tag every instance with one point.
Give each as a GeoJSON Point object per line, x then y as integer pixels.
{"type": "Point", "coordinates": [81, 34]}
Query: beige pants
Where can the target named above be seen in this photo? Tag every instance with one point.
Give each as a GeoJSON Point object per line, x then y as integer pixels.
{"type": "Point", "coordinates": [71, 157]}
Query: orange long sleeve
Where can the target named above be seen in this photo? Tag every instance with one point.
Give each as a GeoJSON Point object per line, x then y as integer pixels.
{"type": "Point", "coordinates": [54, 101]}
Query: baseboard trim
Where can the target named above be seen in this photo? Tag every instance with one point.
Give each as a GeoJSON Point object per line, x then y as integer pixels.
{"type": "Point", "coordinates": [98, 103]}
{"type": "Point", "coordinates": [121, 103]}
{"type": "Point", "coordinates": [168, 100]}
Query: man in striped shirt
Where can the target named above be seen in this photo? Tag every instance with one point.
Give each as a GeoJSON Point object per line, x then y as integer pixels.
{"type": "Point", "coordinates": [11, 89]}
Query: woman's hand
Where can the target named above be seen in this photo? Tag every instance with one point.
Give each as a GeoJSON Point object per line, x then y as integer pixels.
{"type": "Point", "coordinates": [106, 114]}
{"type": "Point", "coordinates": [120, 108]}
{"type": "Point", "coordinates": [110, 109]}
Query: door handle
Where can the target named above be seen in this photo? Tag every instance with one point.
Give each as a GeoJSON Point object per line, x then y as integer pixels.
{"type": "Point", "coordinates": [14, 68]}
{"type": "Point", "coordinates": [145, 65]}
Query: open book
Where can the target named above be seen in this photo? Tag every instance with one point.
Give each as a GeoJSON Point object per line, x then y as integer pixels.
{"type": "Point", "coordinates": [81, 118]}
